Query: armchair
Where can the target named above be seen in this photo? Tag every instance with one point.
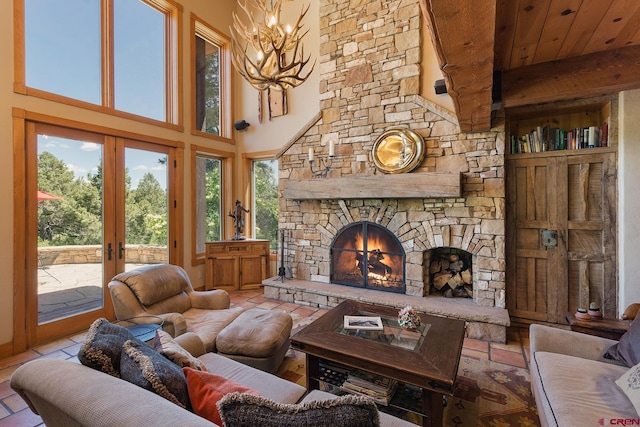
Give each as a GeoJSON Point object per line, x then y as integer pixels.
{"type": "Point", "coordinates": [164, 290]}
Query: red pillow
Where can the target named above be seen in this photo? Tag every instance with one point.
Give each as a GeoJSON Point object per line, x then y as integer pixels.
{"type": "Point", "coordinates": [205, 389]}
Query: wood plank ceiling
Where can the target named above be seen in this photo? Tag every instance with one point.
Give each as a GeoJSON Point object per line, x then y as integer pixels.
{"type": "Point", "coordinates": [533, 51]}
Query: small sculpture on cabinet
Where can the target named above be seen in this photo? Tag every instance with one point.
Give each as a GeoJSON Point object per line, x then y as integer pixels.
{"type": "Point", "coordinates": [238, 220]}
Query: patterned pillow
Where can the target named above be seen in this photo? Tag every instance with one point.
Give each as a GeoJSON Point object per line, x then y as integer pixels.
{"type": "Point", "coordinates": [630, 384]}
{"type": "Point", "coordinates": [103, 345]}
{"type": "Point", "coordinates": [238, 409]}
{"type": "Point", "coordinates": [164, 344]}
{"type": "Point", "coordinates": [143, 366]}
{"type": "Point", "coordinates": [206, 389]}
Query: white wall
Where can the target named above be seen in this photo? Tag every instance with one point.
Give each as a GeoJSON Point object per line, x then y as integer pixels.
{"type": "Point", "coordinates": [629, 198]}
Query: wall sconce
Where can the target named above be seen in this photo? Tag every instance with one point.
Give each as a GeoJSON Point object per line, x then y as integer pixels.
{"type": "Point", "coordinates": [323, 166]}
{"type": "Point", "coordinates": [267, 53]}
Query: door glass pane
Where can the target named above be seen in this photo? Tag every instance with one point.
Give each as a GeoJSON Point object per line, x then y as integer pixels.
{"type": "Point", "coordinates": [208, 201]}
{"type": "Point", "coordinates": [62, 53]}
{"type": "Point", "coordinates": [70, 273]}
{"type": "Point", "coordinates": [265, 203]}
{"type": "Point", "coordinates": [146, 208]}
{"type": "Point", "coordinates": [139, 59]}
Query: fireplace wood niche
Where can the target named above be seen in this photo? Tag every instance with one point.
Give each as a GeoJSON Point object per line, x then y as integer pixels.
{"type": "Point", "coordinates": [368, 255]}
{"type": "Point", "coordinates": [449, 272]}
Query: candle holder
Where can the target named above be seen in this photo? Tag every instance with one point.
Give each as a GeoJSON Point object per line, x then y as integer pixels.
{"type": "Point", "coordinates": [323, 167]}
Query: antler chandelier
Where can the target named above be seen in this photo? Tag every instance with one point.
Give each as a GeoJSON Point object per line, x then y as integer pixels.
{"type": "Point", "coordinates": [269, 54]}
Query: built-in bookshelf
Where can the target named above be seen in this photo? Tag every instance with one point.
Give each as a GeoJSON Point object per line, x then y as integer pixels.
{"type": "Point", "coordinates": [576, 125]}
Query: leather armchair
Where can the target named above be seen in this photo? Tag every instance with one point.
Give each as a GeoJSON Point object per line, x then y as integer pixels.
{"type": "Point", "coordinates": [165, 291]}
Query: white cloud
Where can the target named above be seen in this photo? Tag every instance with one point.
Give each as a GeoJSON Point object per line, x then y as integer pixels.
{"type": "Point", "coordinates": [89, 146]}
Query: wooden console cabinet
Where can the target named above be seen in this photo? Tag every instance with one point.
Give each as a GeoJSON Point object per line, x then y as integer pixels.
{"type": "Point", "coordinates": [236, 264]}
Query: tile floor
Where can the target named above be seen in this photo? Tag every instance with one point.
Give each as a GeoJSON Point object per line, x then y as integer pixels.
{"type": "Point", "coordinates": [14, 411]}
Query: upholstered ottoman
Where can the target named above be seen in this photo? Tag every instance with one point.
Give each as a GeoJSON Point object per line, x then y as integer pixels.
{"type": "Point", "coordinates": [258, 338]}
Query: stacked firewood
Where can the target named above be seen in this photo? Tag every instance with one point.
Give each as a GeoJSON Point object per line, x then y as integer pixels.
{"type": "Point", "coordinates": [451, 277]}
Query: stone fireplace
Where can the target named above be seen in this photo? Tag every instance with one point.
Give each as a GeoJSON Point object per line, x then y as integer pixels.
{"type": "Point", "coordinates": [370, 81]}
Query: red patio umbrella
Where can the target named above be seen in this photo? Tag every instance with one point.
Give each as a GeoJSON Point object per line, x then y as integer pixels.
{"type": "Point", "coordinates": [46, 196]}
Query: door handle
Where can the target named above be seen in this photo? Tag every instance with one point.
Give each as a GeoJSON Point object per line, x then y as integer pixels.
{"type": "Point", "coordinates": [109, 252]}
{"type": "Point", "coordinates": [121, 250]}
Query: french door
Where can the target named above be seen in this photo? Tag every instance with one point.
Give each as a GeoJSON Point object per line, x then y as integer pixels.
{"type": "Point", "coordinates": [96, 205]}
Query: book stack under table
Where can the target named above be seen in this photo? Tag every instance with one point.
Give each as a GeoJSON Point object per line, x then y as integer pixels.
{"type": "Point", "coordinates": [363, 383]}
{"type": "Point", "coordinates": [355, 381]}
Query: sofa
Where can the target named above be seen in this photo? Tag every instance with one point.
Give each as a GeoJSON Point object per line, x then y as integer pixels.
{"type": "Point", "coordinates": [576, 378]}
{"type": "Point", "coordinates": [67, 393]}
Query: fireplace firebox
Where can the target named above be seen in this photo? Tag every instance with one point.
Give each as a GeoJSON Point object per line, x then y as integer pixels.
{"type": "Point", "coordinates": [368, 255]}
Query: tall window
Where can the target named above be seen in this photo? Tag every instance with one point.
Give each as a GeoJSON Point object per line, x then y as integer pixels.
{"type": "Point", "coordinates": [207, 86]}
{"type": "Point", "coordinates": [208, 200]}
{"type": "Point", "coordinates": [139, 59]}
{"type": "Point", "coordinates": [128, 65]}
{"type": "Point", "coordinates": [211, 74]}
{"type": "Point", "coordinates": [265, 201]}
{"type": "Point", "coordinates": [62, 47]}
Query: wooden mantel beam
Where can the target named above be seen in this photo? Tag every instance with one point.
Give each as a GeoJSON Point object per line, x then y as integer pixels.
{"type": "Point", "coordinates": [463, 34]}
{"type": "Point", "coordinates": [586, 76]}
{"type": "Point", "coordinates": [393, 186]}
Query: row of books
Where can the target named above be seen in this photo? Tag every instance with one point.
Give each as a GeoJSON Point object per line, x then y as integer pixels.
{"type": "Point", "coordinates": [358, 382]}
{"type": "Point", "coordinates": [364, 383]}
{"type": "Point", "coordinates": [547, 138]}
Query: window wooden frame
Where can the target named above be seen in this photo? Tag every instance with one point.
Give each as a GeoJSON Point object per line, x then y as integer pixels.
{"type": "Point", "coordinates": [227, 160]}
{"type": "Point", "coordinates": [211, 35]}
{"type": "Point", "coordinates": [173, 65]}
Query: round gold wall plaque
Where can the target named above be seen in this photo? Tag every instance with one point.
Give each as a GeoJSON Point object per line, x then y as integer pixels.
{"type": "Point", "coordinates": [398, 150]}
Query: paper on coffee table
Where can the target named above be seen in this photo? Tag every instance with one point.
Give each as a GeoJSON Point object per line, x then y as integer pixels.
{"type": "Point", "coordinates": [373, 323]}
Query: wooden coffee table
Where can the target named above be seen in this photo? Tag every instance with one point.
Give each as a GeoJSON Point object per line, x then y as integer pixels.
{"type": "Point", "coordinates": [426, 360]}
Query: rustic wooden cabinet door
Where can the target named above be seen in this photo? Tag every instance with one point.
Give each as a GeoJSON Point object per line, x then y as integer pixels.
{"type": "Point", "coordinates": [236, 264]}
{"type": "Point", "coordinates": [561, 234]}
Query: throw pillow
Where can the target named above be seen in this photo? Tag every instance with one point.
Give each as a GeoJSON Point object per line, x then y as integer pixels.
{"type": "Point", "coordinates": [164, 344]}
{"type": "Point", "coordinates": [627, 350]}
{"type": "Point", "coordinates": [630, 385]}
{"type": "Point", "coordinates": [244, 410]}
{"type": "Point", "coordinates": [143, 366]}
{"type": "Point", "coordinates": [102, 347]}
{"type": "Point", "coordinates": [206, 389]}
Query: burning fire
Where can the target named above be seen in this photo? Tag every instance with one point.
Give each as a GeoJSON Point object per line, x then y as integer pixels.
{"type": "Point", "coordinates": [376, 262]}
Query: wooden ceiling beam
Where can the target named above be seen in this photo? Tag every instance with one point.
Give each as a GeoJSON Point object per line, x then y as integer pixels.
{"type": "Point", "coordinates": [590, 75]}
{"type": "Point", "coordinates": [463, 34]}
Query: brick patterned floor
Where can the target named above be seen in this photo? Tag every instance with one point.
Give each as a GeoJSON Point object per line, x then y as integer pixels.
{"type": "Point", "coordinates": [15, 413]}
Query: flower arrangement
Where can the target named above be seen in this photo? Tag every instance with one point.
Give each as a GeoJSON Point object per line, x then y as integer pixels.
{"type": "Point", "coordinates": [408, 318]}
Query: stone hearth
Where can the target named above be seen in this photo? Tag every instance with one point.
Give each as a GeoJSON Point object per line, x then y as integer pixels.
{"type": "Point", "coordinates": [483, 323]}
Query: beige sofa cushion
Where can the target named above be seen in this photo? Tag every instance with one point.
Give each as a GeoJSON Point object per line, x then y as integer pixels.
{"type": "Point", "coordinates": [266, 384]}
{"type": "Point", "coordinates": [578, 392]}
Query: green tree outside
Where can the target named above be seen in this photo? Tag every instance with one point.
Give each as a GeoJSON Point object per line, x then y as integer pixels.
{"type": "Point", "coordinates": [77, 218]}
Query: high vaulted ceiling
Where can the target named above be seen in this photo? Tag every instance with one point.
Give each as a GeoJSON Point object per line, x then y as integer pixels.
{"type": "Point", "coordinates": [533, 51]}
